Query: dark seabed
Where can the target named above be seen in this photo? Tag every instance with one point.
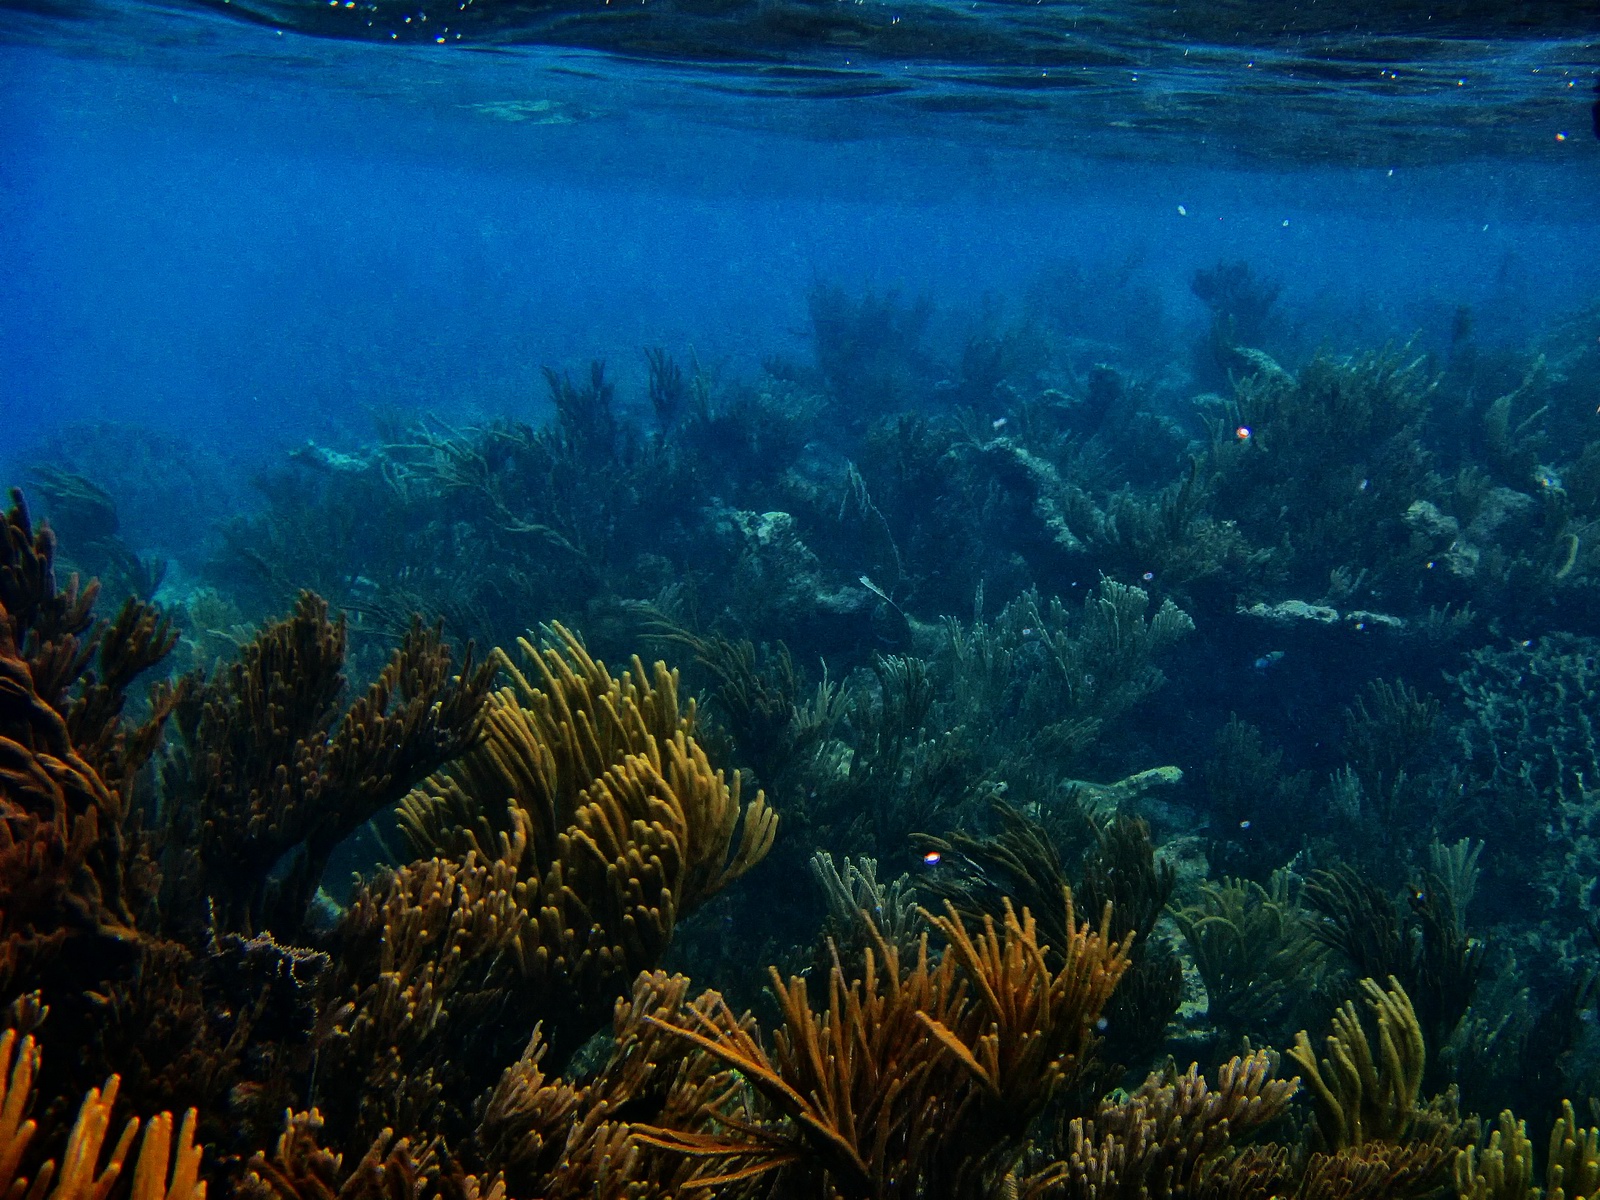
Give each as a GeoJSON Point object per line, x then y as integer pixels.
{"type": "Point", "coordinates": [1026, 545]}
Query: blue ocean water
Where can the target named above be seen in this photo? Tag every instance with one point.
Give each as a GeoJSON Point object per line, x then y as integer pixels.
{"type": "Point", "coordinates": [247, 222]}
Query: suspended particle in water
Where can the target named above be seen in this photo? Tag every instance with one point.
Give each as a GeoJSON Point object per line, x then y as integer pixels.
{"type": "Point", "coordinates": [1149, 575]}
{"type": "Point", "coordinates": [1182, 211]}
{"type": "Point", "coordinates": [932, 858]}
{"type": "Point", "coordinates": [1242, 433]}
{"type": "Point", "coordinates": [1245, 824]}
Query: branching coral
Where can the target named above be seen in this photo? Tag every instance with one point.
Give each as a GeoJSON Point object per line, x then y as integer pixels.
{"type": "Point", "coordinates": [918, 1082]}
{"type": "Point", "coordinates": [87, 515]}
{"type": "Point", "coordinates": [1240, 303]}
{"type": "Point", "coordinates": [437, 1032]}
{"type": "Point", "coordinates": [165, 1169]}
{"type": "Point", "coordinates": [563, 827]}
{"type": "Point", "coordinates": [1574, 1163]}
{"type": "Point", "coordinates": [568, 842]}
{"type": "Point", "coordinates": [81, 930]}
{"type": "Point", "coordinates": [1066, 674]}
{"type": "Point", "coordinates": [67, 761]}
{"type": "Point", "coordinates": [62, 837]}
{"type": "Point", "coordinates": [1171, 534]}
{"type": "Point", "coordinates": [1361, 1097]}
{"type": "Point", "coordinates": [1254, 802]}
{"type": "Point", "coordinates": [300, 1168]}
{"type": "Point", "coordinates": [862, 911]}
{"type": "Point", "coordinates": [277, 778]}
{"type": "Point", "coordinates": [1021, 866]}
{"type": "Point", "coordinates": [892, 767]}
{"type": "Point", "coordinates": [81, 670]}
{"type": "Point", "coordinates": [1253, 948]}
{"type": "Point", "coordinates": [1169, 1138]}
{"type": "Point", "coordinates": [474, 524]}
{"type": "Point", "coordinates": [430, 982]}
{"type": "Point", "coordinates": [760, 696]}
{"type": "Point", "coordinates": [1504, 1170]}
{"type": "Point", "coordinates": [1429, 951]}
{"type": "Point", "coordinates": [562, 1141]}
{"type": "Point", "coordinates": [1377, 1141]}
{"type": "Point", "coordinates": [869, 349]}
{"type": "Point", "coordinates": [610, 777]}
{"type": "Point", "coordinates": [1329, 468]}
{"type": "Point", "coordinates": [1397, 789]}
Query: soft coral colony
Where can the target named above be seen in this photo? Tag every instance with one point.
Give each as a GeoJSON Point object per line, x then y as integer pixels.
{"type": "Point", "coordinates": [185, 1014]}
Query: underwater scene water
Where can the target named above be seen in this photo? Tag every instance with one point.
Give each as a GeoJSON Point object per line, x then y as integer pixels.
{"type": "Point", "coordinates": [632, 599]}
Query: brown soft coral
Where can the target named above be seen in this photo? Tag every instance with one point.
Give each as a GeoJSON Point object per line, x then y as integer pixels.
{"type": "Point", "coordinates": [71, 856]}
{"type": "Point", "coordinates": [165, 1169]}
{"type": "Point", "coordinates": [276, 775]}
{"type": "Point", "coordinates": [922, 1082]}
{"type": "Point", "coordinates": [608, 774]}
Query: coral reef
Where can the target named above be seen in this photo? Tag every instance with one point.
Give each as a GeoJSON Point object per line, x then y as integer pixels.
{"type": "Point", "coordinates": [1275, 665]}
